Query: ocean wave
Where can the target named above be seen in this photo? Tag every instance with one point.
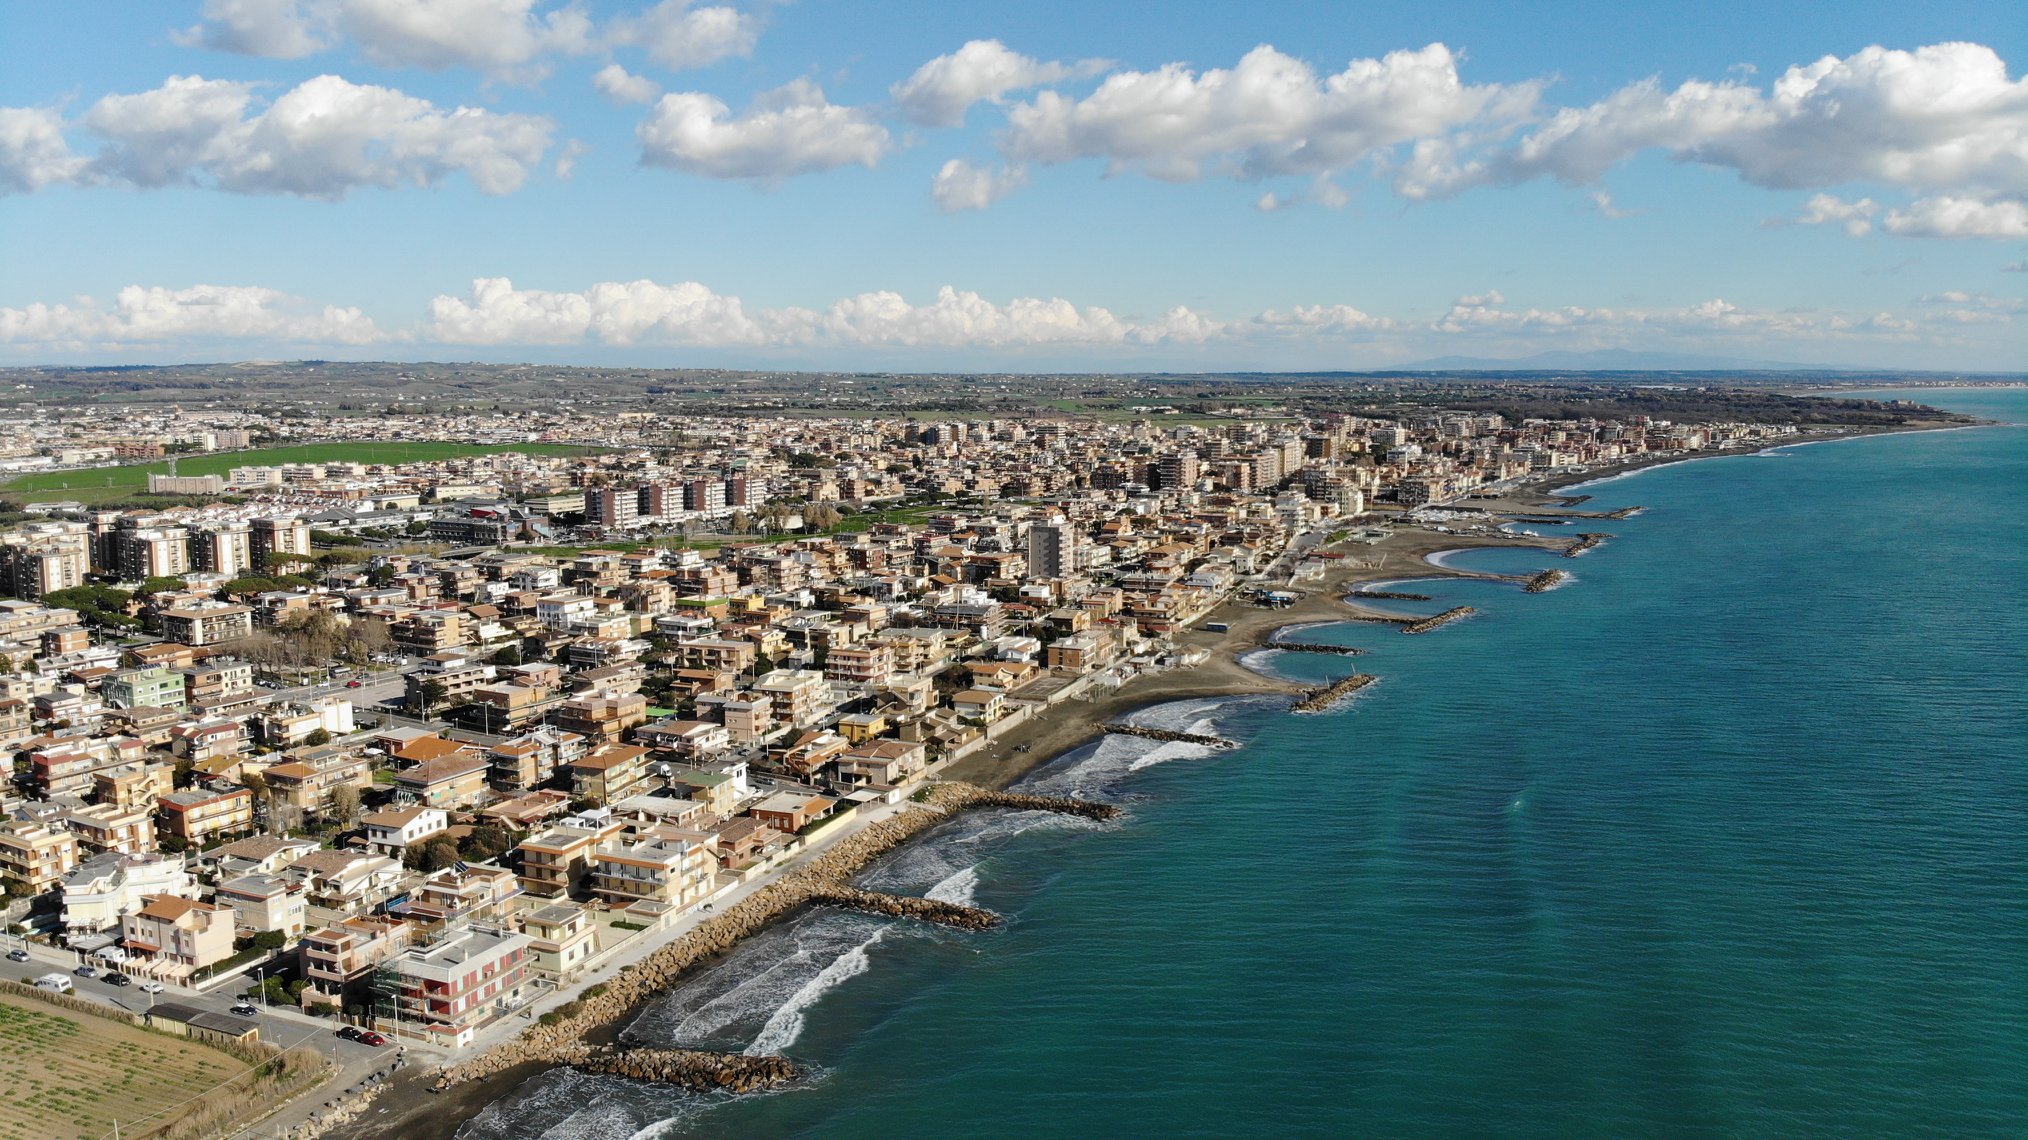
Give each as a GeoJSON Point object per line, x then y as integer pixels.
{"type": "Point", "coordinates": [951, 848]}
{"type": "Point", "coordinates": [786, 1025]}
{"type": "Point", "coordinates": [961, 887]}
{"type": "Point", "coordinates": [740, 1000]}
{"type": "Point", "coordinates": [567, 1104]}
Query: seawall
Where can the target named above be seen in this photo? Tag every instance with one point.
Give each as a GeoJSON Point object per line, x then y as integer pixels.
{"type": "Point", "coordinates": [821, 881]}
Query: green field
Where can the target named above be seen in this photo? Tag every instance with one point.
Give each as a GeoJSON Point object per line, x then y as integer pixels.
{"type": "Point", "coordinates": [100, 483]}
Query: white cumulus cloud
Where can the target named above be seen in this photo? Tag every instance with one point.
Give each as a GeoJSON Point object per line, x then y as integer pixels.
{"type": "Point", "coordinates": [155, 315]}
{"type": "Point", "coordinates": [619, 85]}
{"type": "Point", "coordinates": [1272, 114]}
{"type": "Point", "coordinates": [272, 29]}
{"type": "Point", "coordinates": [679, 35]}
{"type": "Point", "coordinates": [1959, 217]}
{"type": "Point", "coordinates": [961, 186]}
{"type": "Point", "coordinates": [505, 39]}
{"type": "Point", "coordinates": [786, 132]}
{"type": "Point", "coordinates": [33, 150]}
{"type": "Point", "coordinates": [942, 90]}
{"type": "Point", "coordinates": [321, 139]}
{"type": "Point", "coordinates": [1946, 117]}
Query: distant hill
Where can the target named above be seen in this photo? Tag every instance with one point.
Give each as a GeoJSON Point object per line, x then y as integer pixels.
{"type": "Point", "coordinates": [1616, 360]}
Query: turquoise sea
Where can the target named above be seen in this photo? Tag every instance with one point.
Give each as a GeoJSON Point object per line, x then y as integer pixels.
{"type": "Point", "coordinates": [1728, 836]}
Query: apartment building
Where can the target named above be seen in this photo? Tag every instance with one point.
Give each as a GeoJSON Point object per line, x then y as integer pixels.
{"type": "Point", "coordinates": [339, 960]}
{"type": "Point", "coordinates": [35, 856]}
{"type": "Point", "coordinates": [469, 978]}
{"type": "Point", "coordinates": [207, 623]}
{"type": "Point", "coordinates": [653, 866]}
{"type": "Point", "coordinates": [197, 816]}
{"type": "Point", "coordinates": [558, 862]}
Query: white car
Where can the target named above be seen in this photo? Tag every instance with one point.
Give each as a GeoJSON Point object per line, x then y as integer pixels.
{"type": "Point", "coordinates": [151, 987]}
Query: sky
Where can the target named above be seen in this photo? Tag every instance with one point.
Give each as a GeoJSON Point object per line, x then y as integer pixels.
{"type": "Point", "coordinates": [1036, 187]}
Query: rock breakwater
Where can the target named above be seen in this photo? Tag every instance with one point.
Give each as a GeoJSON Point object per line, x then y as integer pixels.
{"type": "Point", "coordinates": [559, 1038]}
{"type": "Point", "coordinates": [1584, 542]}
{"type": "Point", "coordinates": [695, 1069]}
{"type": "Point", "coordinates": [1315, 647]}
{"type": "Point", "coordinates": [1170, 735]}
{"type": "Point", "coordinates": [1424, 625]}
{"type": "Point", "coordinates": [1547, 580]}
{"type": "Point", "coordinates": [908, 906]}
{"type": "Point", "coordinates": [1391, 595]}
{"type": "Point", "coordinates": [1317, 700]}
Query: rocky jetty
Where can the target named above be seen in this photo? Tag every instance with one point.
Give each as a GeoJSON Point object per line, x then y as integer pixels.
{"type": "Point", "coordinates": [1584, 542]}
{"type": "Point", "coordinates": [1424, 625]}
{"type": "Point", "coordinates": [694, 1069]}
{"type": "Point", "coordinates": [1393, 595]}
{"type": "Point", "coordinates": [1062, 805]}
{"type": "Point", "coordinates": [908, 906]}
{"type": "Point", "coordinates": [1624, 512]}
{"type": "Point", "coordinates": [1317, 700]}
{"type": "Point", "coordinates": [559, 1037]}
{"type": "Point", "coordinates": [1315, 647]}
{"type": "Point", "coordinates": [1547, 580]}
{"type": "Point", "coordinates": [1170, 735]}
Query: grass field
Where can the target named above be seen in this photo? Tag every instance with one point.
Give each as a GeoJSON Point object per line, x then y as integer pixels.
{"type": "Point", "coordinates": [101, 483]}
{"type": "Point", "coordinates": [66, 1074]}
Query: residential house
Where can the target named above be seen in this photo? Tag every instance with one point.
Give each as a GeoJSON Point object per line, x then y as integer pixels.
{"type": "Point", "coordinates": [452, 781]}
{"type": "Point", "coordinates": [562, 940]}
{"type": "Point", "coordinates": [653, 866]}
{"type": "Point", "coordinates": [197, 816]}
{"type": "Point", "coordinates": [558, 861]}
{"type": "Point", "coordinates": [349, 882]}
{"type": "Point", "coordinates": [339, 960]}
{"type": "Point", "coordinates": [611, 772]}
{"type": "Point", "coordinates": [264, 903]}
{"type": "Point", "coordinates": [35, 856]}
{"type": "Point", "coordinates": [177, 936]}
{"type": "Point", "coordinates": [390, 832]}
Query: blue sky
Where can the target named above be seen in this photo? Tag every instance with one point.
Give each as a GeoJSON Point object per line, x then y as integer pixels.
{"type": "Point", "coordinates": [1044, 186]}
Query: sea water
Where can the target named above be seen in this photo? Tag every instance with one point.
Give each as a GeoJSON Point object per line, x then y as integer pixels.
{"type": "Point", "coordinates": [1726, 837]}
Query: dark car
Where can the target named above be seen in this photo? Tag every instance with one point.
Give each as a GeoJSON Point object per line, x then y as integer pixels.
{"type": "Point", "coordinates": [17, 955]}
{"type": "Point", "coordinates": [245, 1009]}
{"type": "Point", "coordinates": [116, 978]}
{"type": "Point", "coordinates": [371, 1038]}
{"type": "Point", "coordinates": [350, 1032]}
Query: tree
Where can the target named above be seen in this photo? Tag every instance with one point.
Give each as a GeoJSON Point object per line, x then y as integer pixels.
{"type": "Point", "coordinates": [508, 657]}
{"type": "Point", "coordinates": [317, 739]}
{"type": "Point", "coordinates": [430, 694]}
{"type": "Point", "coordinates": [438, 854]}
{"type": "Point", "coordinates": [345, 804]}
{"type": "Point", "coordinates": [184, 773]}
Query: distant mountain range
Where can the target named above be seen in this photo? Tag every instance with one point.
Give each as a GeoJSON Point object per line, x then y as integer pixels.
{"type": "Point", "coordinates": [1618, 360]}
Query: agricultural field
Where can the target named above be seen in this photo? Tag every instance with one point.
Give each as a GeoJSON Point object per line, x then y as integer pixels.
{"type": "Point", "coordinates": [102, 483]}
{"type": "Point", "coordinates": [65, 1074]}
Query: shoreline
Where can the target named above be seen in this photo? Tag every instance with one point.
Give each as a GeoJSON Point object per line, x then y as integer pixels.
{"type": "Point", "coordinates": [412, 1109]}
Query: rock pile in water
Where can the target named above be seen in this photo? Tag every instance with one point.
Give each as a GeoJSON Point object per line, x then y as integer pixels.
{"type": "Point", "coordinates": [823, 880]}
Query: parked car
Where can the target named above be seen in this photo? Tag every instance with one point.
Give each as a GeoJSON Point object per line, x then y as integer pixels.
{"type": "Point", "coordinates": [371, 1038]}
{"type": "Point", "coordinates": [17, 955]}
{"type": "Point", "coordinates": [352, 684]}
{"type": "Point", "coordinates": [246, 1009]}
{"type": "Point", "coordinates": [86, 971]}
{"type": "Point", "coordinates": [116, 978]}
{"type": "Point", "coordinates": [350, 1032]}
{"type": "Point", "coordinates": [151, 987]}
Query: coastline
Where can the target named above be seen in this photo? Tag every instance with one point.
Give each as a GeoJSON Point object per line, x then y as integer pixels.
{"type": "Point", "coordinates": [412, 1109]}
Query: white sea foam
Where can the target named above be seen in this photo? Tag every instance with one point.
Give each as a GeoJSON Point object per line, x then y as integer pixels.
{"type": "Point", "coordinates": [960, 886]}
{"type": "Point", "coordinates": [786, 1025]}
